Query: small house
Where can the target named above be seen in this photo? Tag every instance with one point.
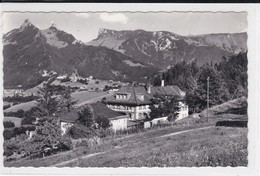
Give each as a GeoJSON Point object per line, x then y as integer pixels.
{"type": "Point", "coordinates": [117, 120]}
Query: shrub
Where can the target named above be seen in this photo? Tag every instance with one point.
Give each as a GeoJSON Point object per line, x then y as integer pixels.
{"type": "Point", "coordinates": [19, 113]}
{"type": "Point", "coordinates": [9, 124]}
{"type": "Point", "coordinates": [67, 79]}
{"type": "Point", "coordinates": [86, 117]}
{"type": "Point", "coordinates": [80, 131]}
{"type": "Point", "coordinates": [10, 133]}
{"type": "Point", "coordinates": [103, 122]}
{"type": "Point", "coordinates": [15, 145]}
{"type": "Point", "coordinates": [86, 142]}
{"type": "Point", "coordinates": [7, 106]}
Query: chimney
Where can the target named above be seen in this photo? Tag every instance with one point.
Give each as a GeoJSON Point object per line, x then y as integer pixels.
{"type": "Point", "coordinates": [162, 83]}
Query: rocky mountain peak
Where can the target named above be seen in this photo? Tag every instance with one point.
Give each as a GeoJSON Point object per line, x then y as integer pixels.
{"type": "Point", "coordinates": [104, 31]}
{"type": "Point", "coordinates": [26, 24]}
{"type": "Point", "coordinates": [53, 27]}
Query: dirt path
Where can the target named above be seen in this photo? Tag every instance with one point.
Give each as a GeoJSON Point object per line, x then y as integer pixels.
{"type": "Point", "coordinates": [185, 131]}
{"type": "Point", "coordinates": [73, 160]}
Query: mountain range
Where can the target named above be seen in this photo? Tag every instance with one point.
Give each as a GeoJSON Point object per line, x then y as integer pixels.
{"type": "Point", "coordinates": [163, 49]}
{"type": "Point", "coordinates": [118, 55]}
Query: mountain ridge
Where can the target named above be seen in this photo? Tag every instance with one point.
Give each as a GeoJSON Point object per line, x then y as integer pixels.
{"type": "Point", "coordinates": [163, 47]}
{"type": "Point", "coordinates": [121, 55]}
{"type": "Point", "coordinates": [28, 51]}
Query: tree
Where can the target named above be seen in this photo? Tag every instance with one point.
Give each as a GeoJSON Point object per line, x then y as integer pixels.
{"type": "Point", "coordinates": [216, 89]}
{"type": "Point", "coordinates": [20, 113]}
{"type": "Point", "coordinates": [86, 117]}
{"type": "Point", "coordinates": [47, 101]}
{"type": "Point", "coordinates": [164, 106]}
{"type": "Point", "coordinates": [78, 131]}
{"type": "Point", "coordinates": [102, 122]}
{"type": "Point", "coordinates": [48, 136]}
{"type": "Point", "coordinates": [54, 100]}
{"type": "Point", "coordinates": [9, 124]}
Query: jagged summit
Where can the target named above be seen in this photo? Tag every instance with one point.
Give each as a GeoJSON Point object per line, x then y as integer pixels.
{"type": "Point", "coordinates": [26, 24]}
{"type": "Point", "coordinates": [53, 27]}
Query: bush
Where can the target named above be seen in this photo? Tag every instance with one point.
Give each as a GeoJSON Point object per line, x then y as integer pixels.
{"type": "Point", "coordinates": [232, 123]}
{"type": "Point", "coordinates": [15, 145]}
{"type": "Point", "coordinates": [86, 142]}
{"type": "Point", "coordinates": [67, 79]}
{"type": "Point", "coordinates": [7, 106]}
{"type": "Point", "coordinates": [10, 133]}
{"type": "Point", "coordinates": [78, 131]}
{"type": "Point", "coordinates": [85, 116]}
{"type": "Point", "coordinates": [103, 122]}
{"type": "Point", "coordinates": [83, 81]}
{"type": "Point", "coordinates": [9, 124]}
{"type": "Point", "coordinates": [20, 113]}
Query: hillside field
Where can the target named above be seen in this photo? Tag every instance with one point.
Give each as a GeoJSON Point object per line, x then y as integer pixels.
{"type": "Point", "coordinates": [24, 106]}
{"type": "Point", "coordinates": [83, 97]}
{"type": "Point", "coordinates": [199, 144]}
{"type": "Point", "coordinates": [15, 120]}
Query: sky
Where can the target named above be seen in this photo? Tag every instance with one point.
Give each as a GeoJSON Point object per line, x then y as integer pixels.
{"type": "Point", "coordinates": [85, 26]}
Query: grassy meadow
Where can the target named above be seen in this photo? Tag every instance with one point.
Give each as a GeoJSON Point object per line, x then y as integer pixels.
{"type": "Point", "coordinates": [87, 96]}
{"type": "Point", "coordinates": [157, 147]}
{"type": "Point", "coordinates": [24, 106]}
{"type": "Point", "coordinates": [15, 120]}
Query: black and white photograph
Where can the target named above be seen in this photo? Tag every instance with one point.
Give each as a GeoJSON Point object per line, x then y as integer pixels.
{"type": "Point", "coordinates": [125, 89]}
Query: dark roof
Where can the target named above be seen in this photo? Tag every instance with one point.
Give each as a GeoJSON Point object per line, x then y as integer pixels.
{"type": "Point", "coordinates": [132, 93]}
{"type": "Point", "coordinates": [99, 109]}
{"type": "Point", "coordinates": [167, 90]}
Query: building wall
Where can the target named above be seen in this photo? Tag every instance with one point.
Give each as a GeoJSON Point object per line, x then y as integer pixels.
{"type": "Point", "coordinates": [184, 111]}
{"type": "Point", "coordinates": [119, 124]}
{"type": "Point", "coordinates": [134, 112]}
{"type": "Point", "coordinates": [64, 127]}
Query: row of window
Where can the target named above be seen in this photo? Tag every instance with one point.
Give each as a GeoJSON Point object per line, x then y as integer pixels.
{"type": "Point", "coordinates": [121, 96]}
{"type": "Point", "coordinates": [143, 107]}
{"type": "Point", "coordinates": [120, 107]}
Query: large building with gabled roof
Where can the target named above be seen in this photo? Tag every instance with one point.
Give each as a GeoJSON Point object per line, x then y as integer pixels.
{"type": "Point", "coordinates": [134, 101]}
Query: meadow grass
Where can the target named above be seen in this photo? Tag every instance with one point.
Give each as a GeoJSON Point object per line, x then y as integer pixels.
{"type": "Point", "coordinates": [15, 120]}
{"type": "Point", "coordinates": [83, 96]}
{"type": "Point", "coordinates": [24, 106]}
{"type": "Point", "coordinates": [216, 146]}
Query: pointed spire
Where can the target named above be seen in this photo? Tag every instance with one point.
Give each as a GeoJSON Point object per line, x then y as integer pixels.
{"type": "Point", "coordinates": [26, 24]}
{"type": "Point", "coordinates": [53, 26]}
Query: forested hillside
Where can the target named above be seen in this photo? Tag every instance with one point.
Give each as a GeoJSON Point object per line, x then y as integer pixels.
{"type": "Point", "coordinates": [227, 80]}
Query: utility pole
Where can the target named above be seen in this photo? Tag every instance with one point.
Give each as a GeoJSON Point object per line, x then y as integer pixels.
{"type": "Point", "coordinates": [207, 99]}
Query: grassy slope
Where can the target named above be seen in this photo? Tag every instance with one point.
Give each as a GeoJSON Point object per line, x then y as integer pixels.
{"type": "Point", "coordinates": [85, 96]}
{"type": "Point", "coordinates": [24, 106]}
{"type": "Point", "coordinates": [209, 147]}
{"type": "Point", "coordinates": [15, 120]}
